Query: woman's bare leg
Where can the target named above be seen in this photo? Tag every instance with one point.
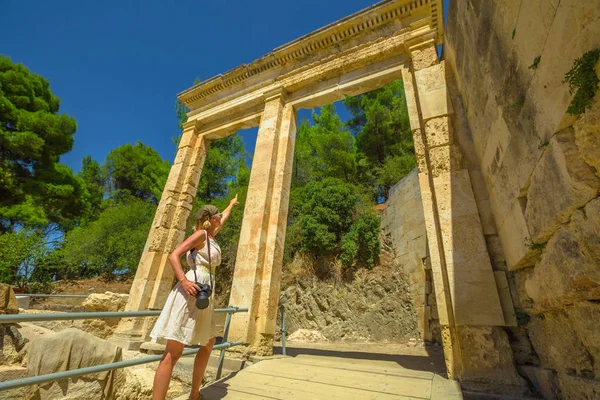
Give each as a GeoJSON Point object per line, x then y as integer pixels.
{"type": "Point", "coordinates": [200, 363]}
{"type": "Point", "coordinates": [162, 378]}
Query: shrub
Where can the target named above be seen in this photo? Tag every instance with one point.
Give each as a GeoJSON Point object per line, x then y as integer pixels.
{"type": "Point", "coordinates": [360, 246]}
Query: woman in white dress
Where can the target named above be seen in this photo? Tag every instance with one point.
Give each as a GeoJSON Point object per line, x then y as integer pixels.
{"type": "Point", "coordinates": [181, 322]}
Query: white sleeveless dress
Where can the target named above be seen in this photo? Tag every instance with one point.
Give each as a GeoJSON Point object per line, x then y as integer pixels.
{"type": "Point", "coordinates": [180, 320]}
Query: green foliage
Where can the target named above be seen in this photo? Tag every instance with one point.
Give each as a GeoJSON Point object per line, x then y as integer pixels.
{"type": "Point", "coordinates": [536, 62]}
{"type": "Point", "coordinates": [518, 104]}
{"type": "Point", "coordinates": [111, 245]}
{"type": "Point", "coordinates": [21, 251]}
{"type": "Point", "coordinates": [529, 301]}
{"type": "Point", "coordinates": [383, 137]}
{"type": "Point", "coordinates": [324, 149]}
{"type": "Point", "coordinates": [34, 189]}
{"type": "Point", "coordinates": [95, 181]}
{"type": "Point", "coordinates": [137, 171]}
{"type": "Point", "coordinates": [339, 174]}
{"type": "Point", "coordinates": [360, 246]}
{"type": "Point", "coordinates": [323, 211]}
{"type": "Point", "coordinates": [534, 246]}
{"type": "Point", "coordinates": [522, 318]}
{"type": "Point", "coordinates": [393, 169]}
{"type": "Point", "coordinates": [583, 80]}
{"type": "Point", "coordinates": [225, 158]}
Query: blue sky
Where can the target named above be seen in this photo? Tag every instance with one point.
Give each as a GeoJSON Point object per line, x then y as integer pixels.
{"type": "Point", "coordinates": [117, 66]}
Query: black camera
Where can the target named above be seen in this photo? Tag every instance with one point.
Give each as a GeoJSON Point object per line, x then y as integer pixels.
{"type": "Point", "coordinates": [203, 295]}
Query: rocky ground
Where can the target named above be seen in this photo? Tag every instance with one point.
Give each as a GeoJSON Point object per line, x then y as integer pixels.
{"type": "Point", "coordinates": [376, 305]}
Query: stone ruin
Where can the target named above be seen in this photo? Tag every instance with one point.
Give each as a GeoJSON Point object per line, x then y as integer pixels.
{"type": "Point", "coordinates": [508, 180]}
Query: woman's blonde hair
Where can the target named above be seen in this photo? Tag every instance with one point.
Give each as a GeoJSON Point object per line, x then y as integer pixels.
{"type": "Point", "coordinates": [203, 223]}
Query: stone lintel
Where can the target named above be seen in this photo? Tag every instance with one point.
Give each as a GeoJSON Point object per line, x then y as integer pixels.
{"type": "Point", "coordinates": [371, 23]}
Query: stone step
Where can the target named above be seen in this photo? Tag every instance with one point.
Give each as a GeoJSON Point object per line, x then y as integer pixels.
{"type": "Point", "coordinates": [184, 367]}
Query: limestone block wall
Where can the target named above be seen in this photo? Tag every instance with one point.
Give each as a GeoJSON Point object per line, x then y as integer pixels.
{"type": "Point", "coordinates": [537, 171]}
{"type": "Point", "coordinates": [403, 222]}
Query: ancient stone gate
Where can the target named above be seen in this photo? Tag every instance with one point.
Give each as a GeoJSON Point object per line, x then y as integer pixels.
{"type": "Point", "coordinates": [394, 39]}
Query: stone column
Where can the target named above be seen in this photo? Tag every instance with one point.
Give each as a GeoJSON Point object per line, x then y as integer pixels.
{"type": "Point", "coordinates": [257, 274]}
{"type": "Point", "coordinates": [154, 277]}
{"type": "Point", "coordinates": [468, 302]}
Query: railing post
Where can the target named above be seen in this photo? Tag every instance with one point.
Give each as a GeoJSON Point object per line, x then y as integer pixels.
{"type": "Point", "coordinates": [282, 308]}
{"type": "Point", "coordinates": [222, 355]}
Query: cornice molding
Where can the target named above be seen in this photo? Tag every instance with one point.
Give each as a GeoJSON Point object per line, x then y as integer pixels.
{"type": "Point", "coordinates": [334, 34]}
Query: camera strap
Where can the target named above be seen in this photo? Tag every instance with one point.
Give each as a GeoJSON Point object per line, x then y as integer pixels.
{"type": "Point", "coordinates": [209, 262]}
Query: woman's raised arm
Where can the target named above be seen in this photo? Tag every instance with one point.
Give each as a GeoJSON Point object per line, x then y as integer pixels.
{"type": "Point", "coordinates": [227, 212]}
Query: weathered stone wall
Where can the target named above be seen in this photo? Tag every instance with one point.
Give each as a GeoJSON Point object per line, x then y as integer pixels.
{"type": "Point", "coordinates": [538, 168]}
{"type": "Point", "coordinates": [377, 305]}
{"type": "Point", "coordinates": [403, 222]}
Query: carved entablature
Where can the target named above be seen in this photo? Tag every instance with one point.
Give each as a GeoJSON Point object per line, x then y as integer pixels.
{"type": "Point", "coordinates": [348, 57]}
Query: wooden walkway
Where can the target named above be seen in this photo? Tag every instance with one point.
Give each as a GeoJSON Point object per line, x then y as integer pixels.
{"type": "Point", "coordinates": [331, 378]}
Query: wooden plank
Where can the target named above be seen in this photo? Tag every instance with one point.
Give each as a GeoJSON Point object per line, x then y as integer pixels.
{"type": "Point", "coordinates": [390, 368]}
{"type": "Point", "coordinates": [288, 388]}
{"type": "Point", "coordinates": [397, 385]}
{"type": "Point", "coordinates": [216, 392]}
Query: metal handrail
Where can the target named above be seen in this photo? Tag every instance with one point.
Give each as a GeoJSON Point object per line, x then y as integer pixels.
{"type": "Point", "coordinates": [282, 308]}
{"type": "Point", "coordinates": [56, 376]}
{"type": "Point", "coordinates": [222, 355]}
{"type": "Point", "coordinates": [79, 296]}
{"type": "Point", "coordinates": [36, 380]}
{"type": "Point", "coordinates": [15, 318]}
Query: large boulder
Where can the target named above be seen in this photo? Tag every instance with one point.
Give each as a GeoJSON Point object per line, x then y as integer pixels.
{"type": "Point", "coordinates": [562, 172]}
{"type": "Point", "coordinates": [107, 301]}
{"type": "Point", "coordinates": [139, 381]}
{"type": "Point", "coordinates": [587, 133]}
{"type": "Point", "coordinates": [8, 300]}
{"type": "Point", "coordinates": [10, 373]}
{"type": "Point", "coordinates": [568, 271]}
{"type": "Point", "coordinates": [11, 341]}
{"type": "Point", "coordinates": [558, 344]}
{"type": "Point", "coordinates": [73, 349]}
{"type": "Point", "coordinates": [12, 344]}
{"type": "Point", "coordinates": [102, 302]}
